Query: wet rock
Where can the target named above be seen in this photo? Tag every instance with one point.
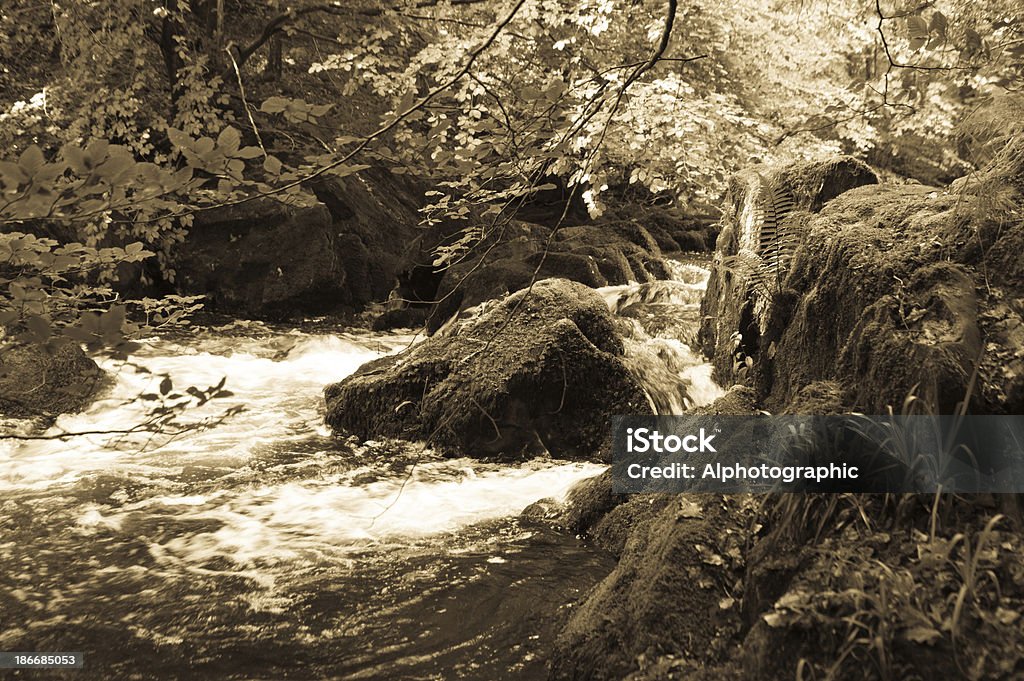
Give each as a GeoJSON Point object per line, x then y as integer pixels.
{"type": "Point", "coordinates": [612, 251]}
{"type": "Point", "coordinates": [546, 378]}
{"type": "Point", "coordinates": [400, 318]}
{"type": "Point", "coordinates": [334, 251]}
{"type": "Point", "coordinates": [46, 380]}
{"type": "Point", "coordinates": [669, 593]}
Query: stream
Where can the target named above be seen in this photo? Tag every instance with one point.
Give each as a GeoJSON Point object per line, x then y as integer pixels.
{"type": "Point", "coordinates": [263, 547]}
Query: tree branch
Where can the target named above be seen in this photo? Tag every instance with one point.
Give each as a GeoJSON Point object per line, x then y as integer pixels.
{"type": "Point", "coordinates": [278, 23]}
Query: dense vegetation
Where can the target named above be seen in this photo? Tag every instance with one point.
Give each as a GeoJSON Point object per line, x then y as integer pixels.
{"type": "Point", "coordinates": [122, 120]}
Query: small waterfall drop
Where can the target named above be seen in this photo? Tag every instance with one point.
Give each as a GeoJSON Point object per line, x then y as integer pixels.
{"type": "Point", "coordinates": [662, 318]}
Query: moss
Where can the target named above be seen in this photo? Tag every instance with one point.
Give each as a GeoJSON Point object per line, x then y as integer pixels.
{"type": "Point", "coordinates": [46, 381]}
{"type": "Point", "coordinates": [885, 297]}
{"type": "Point", "coordinates": [670, 593]}
{"type": "Point", "coordinates": [613, 252]}
{"type": "Point", "coordinates": [503, 385]}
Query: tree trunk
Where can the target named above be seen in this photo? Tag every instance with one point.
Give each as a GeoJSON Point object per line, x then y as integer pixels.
{"type": "Point", "coordinates": [274, 59]}
{"type": "Point", "coordinates": [171, 29]}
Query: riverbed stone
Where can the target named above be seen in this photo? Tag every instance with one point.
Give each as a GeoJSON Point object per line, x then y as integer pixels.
{"type": "Point", "coordinates": [330, 251]}
{"type": "Point", "coordinates": [46, 380]}
{"type": "Point", "coordinates": [539, 371]}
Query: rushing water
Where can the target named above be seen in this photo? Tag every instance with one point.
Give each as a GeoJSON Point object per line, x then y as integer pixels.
{"type": "Point", "coordinates": [262, 547]}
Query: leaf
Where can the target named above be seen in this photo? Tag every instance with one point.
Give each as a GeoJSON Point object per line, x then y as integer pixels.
{"type": "Point", "coordinates": [11, 174]}
{"type": "Point", "coordinates": [179, 139]}
{"type": "Point", "coordinates": [75, 158]}
{"type": "Point", "coordinates": [555, 90]}
{"type": "Point", "coordinates": [917, 28]}
{"type": "Point", "coordinates": [248, 152]}
{"type": "Point", "coordinates": [229, 140]}
{"type": "Point", "coordinates": [32, 159]}
{"type": "Point", "coordinates": [939, 23]}
{"type": "Point", "coordinates": [204, 145]}
{"type": "Point", "coordinates": [39, 327]}
{"type": "Point", "coordinates": [117, 167]}
{"type": "Point", "coordinates": [922, 634]}
{"type": "Point", "coordinates": [274, 105]}
{"type": "Point", "coordinates": [972, 39]}
{"type": "Point", "coordinates": [346, 170]}
{"type": "Point", "coordinates": [272, 165]}
{"type": "Point", "coordinates": [530, 93]}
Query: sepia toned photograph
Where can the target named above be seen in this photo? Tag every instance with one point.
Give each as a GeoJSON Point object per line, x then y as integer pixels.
{"type": "Point", "coordinates": [512, 340]}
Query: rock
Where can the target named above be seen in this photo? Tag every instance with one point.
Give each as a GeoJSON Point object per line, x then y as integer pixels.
{"type": "Point", "coordinates": [547, 379]}
{"type": "Point", "coordinates": [46, 381]}
{"type": "Point", "coordinates": [669, 593]}
{"type": "Point", "coordinates": [333, 252]}
{"type": "Point", "coordinates": [400, 318]}
{"type": "Point", "coordinates": [735, 308]}
{"type": "Point", "coordinates": [589, 254]}
{"type": "Point", "coordinates": [894, 291]}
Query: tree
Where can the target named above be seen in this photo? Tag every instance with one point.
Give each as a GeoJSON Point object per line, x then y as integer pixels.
{"type": "Point", "coordinates": [142, 114]}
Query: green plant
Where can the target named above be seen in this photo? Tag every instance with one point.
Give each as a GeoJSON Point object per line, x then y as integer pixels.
{"type": "Point", "coordinates": [775, 238]}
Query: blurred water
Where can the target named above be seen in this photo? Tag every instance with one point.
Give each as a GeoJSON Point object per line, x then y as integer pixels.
{"type": "Point", "coordinates": [262, 547]}
{"type": "Point", "coordinates": [662, 318]}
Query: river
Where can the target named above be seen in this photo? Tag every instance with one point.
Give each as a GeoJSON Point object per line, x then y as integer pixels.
{"type": "Point", "coordinates": [264, 547]}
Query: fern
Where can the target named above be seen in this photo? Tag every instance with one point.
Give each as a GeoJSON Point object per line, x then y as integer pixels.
{"type": "Point", "coordinates": [776, 243]}
{"type": "Point", "coordinates": [768, 265]}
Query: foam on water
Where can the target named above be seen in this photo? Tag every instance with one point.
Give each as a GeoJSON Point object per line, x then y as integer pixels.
{"type": "Point", "coordinates": [664, 316]}
{"type": "Point", "coordinates": [277, 485]}
{"type": "Point", "coordinates": [280, 399]}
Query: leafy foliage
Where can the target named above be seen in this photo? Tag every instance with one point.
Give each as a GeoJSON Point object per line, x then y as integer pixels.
{"type": "Point", "coordinates": [125, 118]}
{"type": "Point", "coordinates": [767, 265]}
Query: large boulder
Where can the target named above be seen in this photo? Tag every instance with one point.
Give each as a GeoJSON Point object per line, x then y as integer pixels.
{"type": "Point", "coordinates": [894, 290]}
{"type": "Point", "coordinates": [612, 252]}
{"type": "Point", "coordinates": [46, 381]}
{"type": "Point", "coordinates": [335, 250]}
{"type": "Point", "coordinates": [734, 312]}
{"type": "Point", "coordinates": [538, 371]}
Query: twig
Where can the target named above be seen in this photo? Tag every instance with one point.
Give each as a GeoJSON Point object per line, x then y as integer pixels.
{"type": "Point", "coordinates": [245, 102]}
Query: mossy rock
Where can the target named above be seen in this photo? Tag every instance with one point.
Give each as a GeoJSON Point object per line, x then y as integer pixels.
{"type": "Point", "coordinates": [664, 596]}
{"type": "Point", "coordinates": [537, 372]}
{"type": "Point", "coordinates": [46, 380]}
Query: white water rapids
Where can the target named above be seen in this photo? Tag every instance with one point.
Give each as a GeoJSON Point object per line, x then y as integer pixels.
{"type": "Point", "coordinates": [265, 532]}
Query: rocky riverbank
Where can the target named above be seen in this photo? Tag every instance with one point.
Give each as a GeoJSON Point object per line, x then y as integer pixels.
{"type": "Point", "coordinates": [876, 293]}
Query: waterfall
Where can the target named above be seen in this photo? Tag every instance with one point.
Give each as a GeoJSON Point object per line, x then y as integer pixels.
{"type": "Point", "coordinates": [661, 320]}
